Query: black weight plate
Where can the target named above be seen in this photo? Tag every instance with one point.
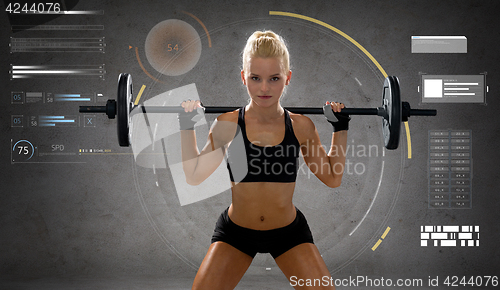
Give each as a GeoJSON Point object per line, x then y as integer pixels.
{"type": "Point", "coordinates": [391, 101]}
{"type": "Point", "coordinates": [123, 107]}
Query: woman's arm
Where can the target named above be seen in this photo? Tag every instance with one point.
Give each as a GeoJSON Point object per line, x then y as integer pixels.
{"type": "Point", "coordinates": [197, 165]}
{"type": "Point", "coordinates": [336, 156]}
{"type": "Point", "coordinates": [329, 168]}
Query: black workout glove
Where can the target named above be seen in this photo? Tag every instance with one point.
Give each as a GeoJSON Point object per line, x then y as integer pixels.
{"type": "Point", "coordinates": [339, 121]}
{"type": "Point", "coordinates": [187, 120]}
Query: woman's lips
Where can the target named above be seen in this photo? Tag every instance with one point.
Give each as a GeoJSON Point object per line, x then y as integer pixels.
{"type": "Point", "coordinates": [265, 97]}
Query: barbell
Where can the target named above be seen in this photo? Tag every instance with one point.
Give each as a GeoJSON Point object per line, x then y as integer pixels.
{"type": "Point", "coordinates": [392, 110]}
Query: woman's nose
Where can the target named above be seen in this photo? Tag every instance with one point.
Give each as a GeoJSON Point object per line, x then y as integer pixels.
{"type": "Point", "coordinates": [264, 86]}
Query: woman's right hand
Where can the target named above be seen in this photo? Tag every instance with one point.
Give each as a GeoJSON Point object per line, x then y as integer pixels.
{"type": "Point", "coordinates": [190, 105]}
{"type": "Point", "coordinates": [190, 116]}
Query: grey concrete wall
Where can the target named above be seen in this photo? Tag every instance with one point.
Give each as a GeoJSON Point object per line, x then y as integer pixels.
{"type": "Point", "coordinates": [102, 221]}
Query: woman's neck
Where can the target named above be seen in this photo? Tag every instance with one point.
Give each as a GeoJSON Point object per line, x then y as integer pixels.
{"type": "Point", "coordinates": [265, 113]}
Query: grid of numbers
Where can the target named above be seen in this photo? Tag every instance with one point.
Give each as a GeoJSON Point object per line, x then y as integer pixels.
{"type": "Point", "coordinates": [450, 169]}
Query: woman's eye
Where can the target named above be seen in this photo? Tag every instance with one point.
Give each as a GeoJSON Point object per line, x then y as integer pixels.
{"type": "Point", "coordinates": [255, 78]}
{"type": "Point", "coordinates": [275, 79]}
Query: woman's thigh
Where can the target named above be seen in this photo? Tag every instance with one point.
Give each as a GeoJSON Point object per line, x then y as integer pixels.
{"type": "Point", "coordinates": [222, 267]}
{"type": "Point", "coordinates": [304, 268]}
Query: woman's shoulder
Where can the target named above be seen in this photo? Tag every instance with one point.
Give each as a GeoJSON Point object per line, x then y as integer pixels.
{"type": "Point", "coordinates": [303, 127]}
{"type": "Point", "coordinates": [225, 127]}
{"type": "Point", "coordinates": [229, 116]}
{"type": "Point", "coordinates": [301, 122]}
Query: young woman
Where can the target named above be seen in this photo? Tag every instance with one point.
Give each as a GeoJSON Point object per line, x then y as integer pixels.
{"type": "Point", "coordinates": [262, 217]}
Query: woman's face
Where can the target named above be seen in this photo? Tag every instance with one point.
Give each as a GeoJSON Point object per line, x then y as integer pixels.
{"type": "Point", "coordinates": [265, 80]}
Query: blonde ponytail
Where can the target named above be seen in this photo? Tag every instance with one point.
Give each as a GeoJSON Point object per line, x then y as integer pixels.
{"type": "Point", "coordinates": [266, 44]}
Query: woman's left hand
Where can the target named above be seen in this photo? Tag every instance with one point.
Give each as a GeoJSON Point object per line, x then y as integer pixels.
{"type": "Point", "coordinates": [342, 123]}
{"type": "Point", "coordinates": [336, 107]}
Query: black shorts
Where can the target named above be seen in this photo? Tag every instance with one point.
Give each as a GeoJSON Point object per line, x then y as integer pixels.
{"type": "Point", "coordinates": [275, 241]}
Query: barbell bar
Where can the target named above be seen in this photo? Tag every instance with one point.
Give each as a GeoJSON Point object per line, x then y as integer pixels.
{"type": "Point", "coordinates": [392, 110]}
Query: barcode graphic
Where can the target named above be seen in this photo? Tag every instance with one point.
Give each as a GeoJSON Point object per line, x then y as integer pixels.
{"type": "Point", "coordinates": [449, 236]}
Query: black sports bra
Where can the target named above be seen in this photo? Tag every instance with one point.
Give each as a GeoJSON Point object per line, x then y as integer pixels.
{"type": "Point", "coordinates": [248, 162]}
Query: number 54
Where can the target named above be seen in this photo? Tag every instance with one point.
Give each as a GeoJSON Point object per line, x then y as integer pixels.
{"type": "Point", "coordinates": [170, 48]}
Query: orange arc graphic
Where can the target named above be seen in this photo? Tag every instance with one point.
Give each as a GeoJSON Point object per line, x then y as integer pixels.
{"type": "Point", "coordinates": [202, 25]}
{"type": "Point", "coordinates": [143, 68]}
